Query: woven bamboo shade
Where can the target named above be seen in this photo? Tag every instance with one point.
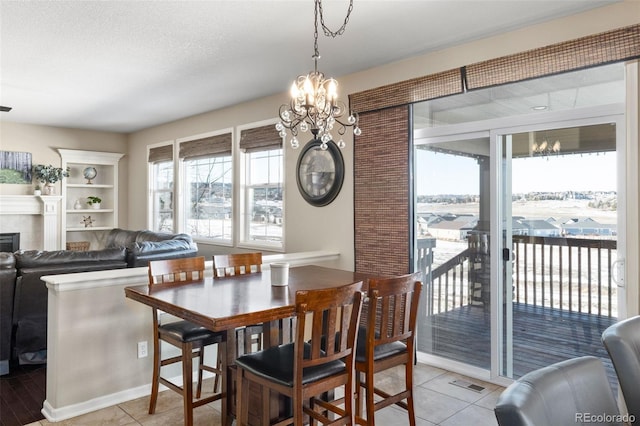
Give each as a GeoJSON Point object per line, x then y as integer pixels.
{"type": "Point", "coordinates": [260, 139]}
{"type": "Point", "coordinates": [381, 193]}
{"type": "Point", "coordinates": [612, 46]}
{"type": "Point", "coordinates": [219, 145]}
{"type": "Point", "coordinates": [408, 91]}
{"type": "Point", "coordinates": [598, 49]}
{"type": "Point", "coordinates": [161, 153]}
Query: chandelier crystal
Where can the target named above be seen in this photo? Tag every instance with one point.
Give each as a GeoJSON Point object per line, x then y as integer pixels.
{"type": "Point", "coordinates": [314, 104]}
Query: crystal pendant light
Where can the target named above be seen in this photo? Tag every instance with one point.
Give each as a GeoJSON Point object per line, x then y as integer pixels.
{"type": "Point", "coordinates": [314, 104]}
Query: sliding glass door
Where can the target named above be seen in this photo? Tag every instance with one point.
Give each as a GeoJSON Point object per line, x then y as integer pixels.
{"type": "Point", "coordinates": [517, 194]}
{"type": "Point", "coordinates": [558, 227]}
{"type": "Point", "coordinates": [452, 219]}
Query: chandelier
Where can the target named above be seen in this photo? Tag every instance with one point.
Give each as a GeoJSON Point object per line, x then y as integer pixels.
{"type": "Point", "coordinates": [545, 148]}
{"type": "Point", "coordinates": [314, 104]}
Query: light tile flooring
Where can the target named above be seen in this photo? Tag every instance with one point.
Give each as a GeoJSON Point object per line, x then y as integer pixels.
{"type": "Point", "coordinates": [438, 402]}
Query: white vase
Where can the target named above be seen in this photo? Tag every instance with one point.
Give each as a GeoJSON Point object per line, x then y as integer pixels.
{"type": "Point", "coordinates": [77, 205]}
{"type": "Point", "coordinates": [49, 189]}
{"type": "Point", "coordinates": [95, 206]}
{"type": "Point", "coordinates": [37, 192]}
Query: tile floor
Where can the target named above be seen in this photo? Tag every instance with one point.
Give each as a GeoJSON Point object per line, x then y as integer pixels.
{"type": "Point", "coordinates": [438, 402]}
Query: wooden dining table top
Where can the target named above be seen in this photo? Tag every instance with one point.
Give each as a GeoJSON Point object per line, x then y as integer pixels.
{"type": "Point", "coordinates": [231, 302]}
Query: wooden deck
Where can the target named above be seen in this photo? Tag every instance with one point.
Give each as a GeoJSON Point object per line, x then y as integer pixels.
{"type": "Point", "coordinates": [541, 336]}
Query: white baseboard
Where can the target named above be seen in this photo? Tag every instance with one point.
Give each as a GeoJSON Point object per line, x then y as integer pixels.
{"type": "Point", "coordinates": [63, 413]}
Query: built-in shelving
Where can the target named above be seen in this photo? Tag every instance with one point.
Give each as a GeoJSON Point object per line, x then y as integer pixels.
{"type": "Point", "coordinates": [80, 221]}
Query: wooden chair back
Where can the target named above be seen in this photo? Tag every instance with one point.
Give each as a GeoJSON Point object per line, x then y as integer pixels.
{"type": "Point", "coordinates": [226, 265]}
{"type": "Point", "coordinates": [176, 271]}
{"type": "Point", "coordinates": [391, 315]}
{"type": "Point", "coordinates": [334, 314]}
{"type": "Point", "coordinates": [392, 311]}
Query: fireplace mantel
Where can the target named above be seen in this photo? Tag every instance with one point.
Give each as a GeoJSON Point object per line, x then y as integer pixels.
{"type": "Point", "coordinates": [47, 206]}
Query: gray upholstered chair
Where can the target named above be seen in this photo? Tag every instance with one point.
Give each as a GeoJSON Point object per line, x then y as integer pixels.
{"type": "Point", "coordinates": [622, 341]}
{"type": "Point", "coordinates": [571, 392]}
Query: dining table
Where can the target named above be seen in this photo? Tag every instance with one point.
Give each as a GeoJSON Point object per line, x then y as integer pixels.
{"type": "Point", "coordinates": [229, 303]}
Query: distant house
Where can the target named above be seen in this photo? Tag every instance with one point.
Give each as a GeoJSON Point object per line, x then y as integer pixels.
{"type": "Point", "coordinates": [540, 228]}
{"type": "Point", "coordinates": [588, 226]}
{"type": "Point", "coordinates": [453, 229]}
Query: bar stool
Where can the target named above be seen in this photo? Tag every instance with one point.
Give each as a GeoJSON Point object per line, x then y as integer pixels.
{"type": "Point", "coordinates": [190, 338]}
{"type": "Point", "coordinates": [310, 367]}
{"type": "Point", "coordinates": [385, 341]}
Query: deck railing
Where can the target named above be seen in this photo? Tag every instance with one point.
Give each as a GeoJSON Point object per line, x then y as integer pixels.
{"type": "Point", "coordinates": [570, 274]}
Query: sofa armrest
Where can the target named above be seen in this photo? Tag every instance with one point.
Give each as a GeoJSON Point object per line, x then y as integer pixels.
{"type": "Point", "coordinates": [150, 247]}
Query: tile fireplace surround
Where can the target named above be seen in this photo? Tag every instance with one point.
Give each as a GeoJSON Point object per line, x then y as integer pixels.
{"type": "Point", "coordinates": [36, 218]}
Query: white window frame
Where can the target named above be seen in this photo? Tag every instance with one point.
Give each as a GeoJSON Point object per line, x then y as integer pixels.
{"type": "Point", "coordinates": [242, 217]}
{"type": "Point", "coordinates": [152, 214]}
{"type": "Point", "coordinates": [181, 190]}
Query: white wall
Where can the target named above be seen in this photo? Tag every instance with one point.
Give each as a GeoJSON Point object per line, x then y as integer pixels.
{"type": "Point", "coordinates": [331, 227]}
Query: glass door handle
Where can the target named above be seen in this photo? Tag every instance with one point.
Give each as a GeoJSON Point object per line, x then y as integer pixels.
{"type": "Point", "coordinates": [617, 272]}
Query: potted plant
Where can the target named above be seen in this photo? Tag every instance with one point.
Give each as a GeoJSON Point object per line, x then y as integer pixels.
{"type": "Point", "coordinates": [94, 201]}
{"type": "Point", "coordinates": [37, 191]}
{"type": "Point", "coordinates": [49, 175]}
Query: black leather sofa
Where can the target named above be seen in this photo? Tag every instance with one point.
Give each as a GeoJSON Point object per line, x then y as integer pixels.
{"type": "Point", "coordinates": [24, 296]}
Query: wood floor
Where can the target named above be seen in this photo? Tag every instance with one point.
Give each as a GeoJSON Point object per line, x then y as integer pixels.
{"type": "Point", "coordinates": [22, 393]}
{"type": "Point", "coordinates": [541, 336]}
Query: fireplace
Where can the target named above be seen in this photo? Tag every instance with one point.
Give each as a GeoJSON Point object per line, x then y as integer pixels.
{"type": "Point", "coordinates": [37, 219]}
{"type": "Point", "coordinates": [10, 242]}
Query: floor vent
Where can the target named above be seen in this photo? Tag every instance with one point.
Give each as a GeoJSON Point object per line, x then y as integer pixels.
{"type": "Point", "coordinates": [467, 385]}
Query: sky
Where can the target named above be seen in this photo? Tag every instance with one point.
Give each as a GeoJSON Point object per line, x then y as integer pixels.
{"type": "Point", "coordinates": [448, 174]}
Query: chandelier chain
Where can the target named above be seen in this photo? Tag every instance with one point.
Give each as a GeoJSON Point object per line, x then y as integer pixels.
{"type": "Point", "coordinates": [327, 32]}
{"type": "Point", "coordinates": [326, 29]}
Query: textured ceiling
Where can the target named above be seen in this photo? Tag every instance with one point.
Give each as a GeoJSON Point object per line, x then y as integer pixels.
{"type": "Point", "coordinates": [127, 65]}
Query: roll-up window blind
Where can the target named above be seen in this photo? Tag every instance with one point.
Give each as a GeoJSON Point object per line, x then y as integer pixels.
{"type": "Point", "coordinates": [382, 193]}
{"type": "Point", "coordinates": [260, 139]}
{"type": "Point", "coordinates": [213, 146]}
{"type": "Point", "coordinates": [161, 153]}
{"type": "Point", "coordinates": [408, 91]}
{"type": "Point", "coordinates": [612, 46]}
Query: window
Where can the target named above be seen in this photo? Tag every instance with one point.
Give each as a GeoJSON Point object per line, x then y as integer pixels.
{"type": "Point", "coordinates": [208, 187]}
{"type": "Point", "coordinates": [161, 188]}
{"type": "Point", "coordinates": [263, 190]}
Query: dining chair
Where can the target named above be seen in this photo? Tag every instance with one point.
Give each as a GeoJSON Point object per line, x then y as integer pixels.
{"type": "Point", "coordinates": [622, 341]}
{"type": "Point", "coordinates": [386, 340]}
{"type": "Point", "coordinates": [309, 368]}
{"type": "Point", "coordinates": [567, 393]}
{"type": "Point", "coordinates": [190, 338]}
{"type": "Point", "coordinates": [227, 265]}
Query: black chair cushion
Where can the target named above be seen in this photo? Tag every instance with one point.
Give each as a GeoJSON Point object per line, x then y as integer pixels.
{"type": "Point", "coordinates": [380, 351]}
{"type": "Point", "coordinates": [189, 332]}
{"type": "Point", "coordinates": [276, 364]}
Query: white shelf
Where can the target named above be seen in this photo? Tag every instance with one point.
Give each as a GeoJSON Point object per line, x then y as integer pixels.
{"type": "Point", "coordinates": [83, 211]}
{"type": "Point", "coordinates": [90, 228]}
{"type": "Point", "coordinates": [88, 185]}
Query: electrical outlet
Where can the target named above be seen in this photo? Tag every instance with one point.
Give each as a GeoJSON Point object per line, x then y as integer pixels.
{"type": "Point", "coordinates": [142, 349]}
